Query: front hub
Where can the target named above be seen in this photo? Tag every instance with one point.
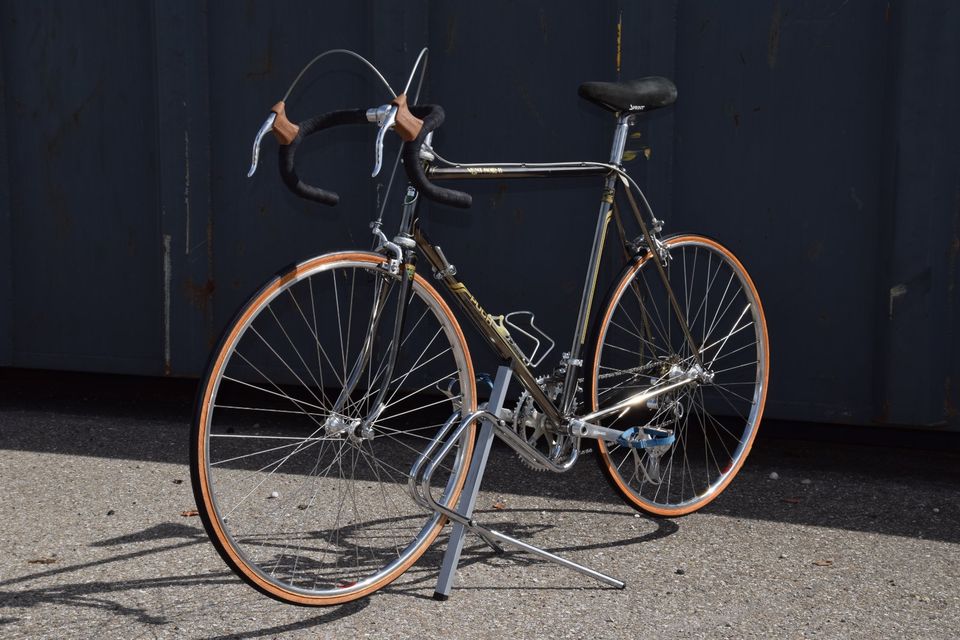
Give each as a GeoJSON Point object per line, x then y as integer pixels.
{"type": "Point", "coordinates": [352, 427]}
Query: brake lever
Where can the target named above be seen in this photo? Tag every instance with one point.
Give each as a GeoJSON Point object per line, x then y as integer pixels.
{"type": "Point", "coordinates": [385, 116]}
{"type": "Point", "coordinates": [266, 128]}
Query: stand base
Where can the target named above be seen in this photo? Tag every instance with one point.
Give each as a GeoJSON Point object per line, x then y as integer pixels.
{"type": "Point", "coordinates": [468, 499]}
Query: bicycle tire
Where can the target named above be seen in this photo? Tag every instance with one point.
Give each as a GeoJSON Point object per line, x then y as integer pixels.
{"type": "Point", "coordinates": [637, 312]}
{"type": "Point", "coordinates": [326, 555]}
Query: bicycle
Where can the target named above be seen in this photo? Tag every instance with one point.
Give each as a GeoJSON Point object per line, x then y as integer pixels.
{"type": "Point", "coordinates": [345, 385]}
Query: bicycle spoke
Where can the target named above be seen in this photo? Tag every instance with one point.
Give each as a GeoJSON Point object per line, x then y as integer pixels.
{"type": "Point", "coordinates": [723, 316]}
{"type": "Point", "coordinates": [263, 451]}
{"type": "Point", "coordinates": [284, 363]}
{"type": "Point", "coordinates": [311, 500]}
{"type": "Point", "coordinates": [279, 392]}
{"type": "Point", "coordinates": [652, 345]}
{"type": "Point", "coordinates": [719, 314]}
{"type": "Point", "coordinates": [343, 354]}
{"type": "Point", "coordinates": [299, 356]}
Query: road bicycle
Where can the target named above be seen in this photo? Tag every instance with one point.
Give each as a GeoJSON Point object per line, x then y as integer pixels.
{"type": "Point", "coordinates": [344, 386]}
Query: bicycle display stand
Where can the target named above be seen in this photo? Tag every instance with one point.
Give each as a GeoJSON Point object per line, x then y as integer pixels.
{"type": "Point", "coordinates": [468, 500]}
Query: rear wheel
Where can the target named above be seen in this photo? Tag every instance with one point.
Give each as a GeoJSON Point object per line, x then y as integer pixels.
{"type": "Point", "coordinates": [638, 342]}
{"type": "Point", "coordinates": [307, 504]}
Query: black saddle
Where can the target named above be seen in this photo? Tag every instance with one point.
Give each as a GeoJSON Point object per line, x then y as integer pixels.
{"type": "Point", "coordinates": [632, 96]}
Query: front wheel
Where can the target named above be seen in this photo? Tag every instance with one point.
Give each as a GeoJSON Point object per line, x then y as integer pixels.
{"type": "Point", "coordinates": [300, 476]}
{"type": "Point", "coordinates": [709, 423]}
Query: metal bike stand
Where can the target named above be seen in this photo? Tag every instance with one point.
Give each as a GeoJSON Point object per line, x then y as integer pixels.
{"type": "Point", "coordinates": [468, 499]}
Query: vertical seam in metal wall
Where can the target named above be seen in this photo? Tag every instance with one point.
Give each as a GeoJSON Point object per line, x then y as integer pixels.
{"type": "Point", "coordinates": [185, 170]}
{"type": "Point", "coordinates": [886, 205]}
{"type": "Point", "coordinates": [211, 331]}
{"type": "Point", "coordinates": [6, 224]}
{"type": "Point", "coordinates": [163, 246]}
{"type": "Point", "coordinates": [201, 192]}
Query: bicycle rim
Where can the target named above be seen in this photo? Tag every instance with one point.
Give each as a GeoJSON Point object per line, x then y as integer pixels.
{"type": "Point", "coordinates": [639, 342]}
{"type": "Point", "coordinates": [303, 507]}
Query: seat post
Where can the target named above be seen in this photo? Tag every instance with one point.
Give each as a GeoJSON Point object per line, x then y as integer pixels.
{"type": "Point", "coordinates": [620, 138]}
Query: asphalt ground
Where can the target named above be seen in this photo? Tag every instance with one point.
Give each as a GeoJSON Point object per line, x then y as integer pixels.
{"type": "Point", "coordinates": [857, 537]}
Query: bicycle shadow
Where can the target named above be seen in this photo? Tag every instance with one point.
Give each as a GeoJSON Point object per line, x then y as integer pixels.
{"type": "Point", "coordinates": [85, 593]}
{"type": "Point", "coordinates": [475, 551]}
{"type": "Point", "coordinates": [105, 595]}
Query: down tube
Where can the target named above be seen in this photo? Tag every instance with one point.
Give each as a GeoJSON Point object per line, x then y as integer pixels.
{"type": "Point", "coordinates": [486, 325]}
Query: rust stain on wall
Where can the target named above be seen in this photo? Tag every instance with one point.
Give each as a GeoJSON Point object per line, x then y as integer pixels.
{"type": "Point", "coordinates": [497, 197]}
{"type": "Point", "coordinates": [71, 123]}
{"type": "Point", "coordinates": [773, 40]}
{"type": "Point", "coordinates": [949, 408]}
{"type": "Point", "coordinates": [952, 264]}
{"type": "Point", "coordinates": [266, 67]}
{"type": "Point", "coordinates": [954, 248]}
{"type": "Point", "coordinates": [619, 42]}
{"type": "Point", "coordinates": [212, 333]}
{"type": "Point", "coordinates": [167, 275]}
{"type": "Point", "coordinates": [199, 294]}
{"type": "Point", "coordinates": [451, 35]}
{"type": "Point", "coordinates": [63, 222]}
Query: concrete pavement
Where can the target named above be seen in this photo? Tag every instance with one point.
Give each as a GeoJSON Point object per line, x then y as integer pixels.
{"type": "Point", "coordinates": [850, 541]}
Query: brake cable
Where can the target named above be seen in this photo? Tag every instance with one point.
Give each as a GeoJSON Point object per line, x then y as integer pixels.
{"type": "Point", "coordinates": [422, 57]}
{"type": "Point", "coordinates": [346, 52]}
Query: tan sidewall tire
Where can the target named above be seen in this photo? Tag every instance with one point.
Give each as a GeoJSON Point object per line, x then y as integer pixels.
{"type": "Point", "coordinates": [606, 463]}
{"type": "Point", "coordinates": [205, 502]}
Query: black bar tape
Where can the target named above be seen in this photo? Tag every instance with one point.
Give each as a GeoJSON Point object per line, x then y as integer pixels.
{"type": "Point", "coordinates": [432, 116]}
{"type": "Point", "coordinates": [288, 153]}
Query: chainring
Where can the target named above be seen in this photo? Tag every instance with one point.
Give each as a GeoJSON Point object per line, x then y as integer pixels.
{"type": "Point", "coordinates": [532, 425]}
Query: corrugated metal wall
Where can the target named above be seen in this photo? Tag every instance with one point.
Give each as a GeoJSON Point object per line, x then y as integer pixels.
{"type": "Point", "coordinates": [816, 139]}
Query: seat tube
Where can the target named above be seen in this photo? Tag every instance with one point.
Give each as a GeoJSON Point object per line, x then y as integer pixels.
{"type": "Point", "coordinates": [574, 360]}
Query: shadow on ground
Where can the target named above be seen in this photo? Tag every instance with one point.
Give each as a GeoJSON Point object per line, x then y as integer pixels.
{"type": "Point", "coordinates": [110, 595]}
{"type": "Point", "coordinates": [73, 586]}
{"type": "Point", "coordinates": [881, 480]}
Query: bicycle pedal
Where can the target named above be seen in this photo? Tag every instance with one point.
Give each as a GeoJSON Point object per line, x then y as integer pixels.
{"type": "Point", "coordinates": [646, 438]}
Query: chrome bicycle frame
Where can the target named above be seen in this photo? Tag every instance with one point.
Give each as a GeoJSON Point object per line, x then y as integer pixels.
{"type": "Point", "coordinates": [410, 235]}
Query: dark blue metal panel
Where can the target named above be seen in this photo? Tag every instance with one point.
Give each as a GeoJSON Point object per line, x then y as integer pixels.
{"type": "Point", "coordinates": [258, 225]}
{"type": "Point", "coordinates": [80, 123]}
{"type": "Point", "coordinates": [779, 150]}
{"type": "Point", "coordinates": [919, 297]}
{"type": "Point", "coordinates": [525, 245]}
{"type": "Point", "coordinates": [815, 137]}
{"type": "Point", "coordinates": [6, 236]}
{"type": "Point", "coordinates": [183, 180]}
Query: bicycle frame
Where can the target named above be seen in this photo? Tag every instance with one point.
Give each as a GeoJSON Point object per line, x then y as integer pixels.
{"type": "Point", "coordinates": [491, 327]}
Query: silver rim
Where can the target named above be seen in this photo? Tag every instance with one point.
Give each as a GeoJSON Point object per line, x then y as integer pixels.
{"type": "Point", "coordinates": [314, 512]}
{"type": "Point", "coordinates": [642, 343]}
